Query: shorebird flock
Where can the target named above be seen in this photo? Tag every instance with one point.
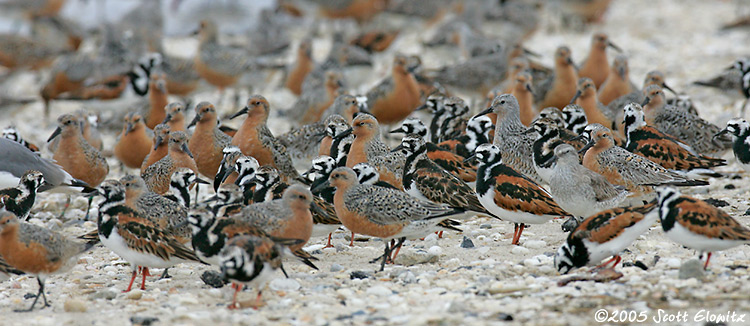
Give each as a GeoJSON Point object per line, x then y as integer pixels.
{"type": "Point", "coordinates": [525, 144]}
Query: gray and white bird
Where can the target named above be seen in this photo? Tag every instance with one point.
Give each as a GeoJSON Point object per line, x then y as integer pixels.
{"type": "Point", "coordinates": [578, 190]}
{"type": "Point", "coordinates": [690, 129]}
{"type": "Point", "coordinates": [18, 159]}
{"type": "Point", "coordinates": [510, 137]}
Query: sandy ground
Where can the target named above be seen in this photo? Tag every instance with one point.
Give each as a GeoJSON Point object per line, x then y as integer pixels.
{"type": "Point", "coordinates": [488, 284]}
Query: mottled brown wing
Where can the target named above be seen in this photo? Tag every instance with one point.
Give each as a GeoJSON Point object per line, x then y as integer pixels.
{"type": "Point", "coordinates": [231, 228]}
{"type": "Point", "coordinates": [328, 208]}
{"type": "Point", "coordinates": [669, 153]}
{"type": "Point", "coordinates": [703, 218]}
{"type": "Point", "coordinates": [516, 193]}
{"type": "Point", "coordinates": [442, 187]}
{"type": "Point", "coordinates": [609, 224]}
{"type": "Point", "coordinates": [449, 145]}
{"type": "Point", "coordinates": [454, 164]}
{"type": "Point", "coordinates": [146, 239]}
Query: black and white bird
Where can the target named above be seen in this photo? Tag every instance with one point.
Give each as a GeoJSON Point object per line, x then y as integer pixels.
{"type": "Point", "coordinates": [505, 192]}
{"type": "Point", "coordinates": [179, 186]}
{"type": "Point", "coordinates": [604, 234]}
{"type": "Point", "coordinates": [740, 128]}
{"type": "Point", "coordinates": [743, 65]}
{"type": "Point", "coordinates": [250, 260]}
{"type": "Point", "coordinates": [698, 225]}
{"type": "Point", "coordinates": [135, 238]}
{"type": "Point", "coordinates": [246, 166]}
{"type": "Point", "coordinates": [19, 200]}
{"type": "Point", "coordinates": [321, 169]}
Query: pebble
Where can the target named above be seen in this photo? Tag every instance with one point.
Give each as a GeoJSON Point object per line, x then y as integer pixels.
{"type": "Point", "coordinates": [431, 239]}
{"type": "Point", "coordinates": [407, 277]}
{"type": "Point", "coordinates": [135, 294]}
{"type": "Point", "coordinates": [340, 247]}
{"type": "Point", "coordinates": [456, 307]}
{"type": "Point", "coordinates": [532, 262]}
{"type": "Point", "coordinates": [213, 279]}
{"type": "Point", "coordinates": [717, 202]}
{"type": "Point", "coordinates": [74, 305]}
{"type": "Point", "coordinates": [143, 320]}
{"type": "Point", "coordinates": [485, 226]}
{"type": "Point", "coordinates": [467, 243]}
{"type": "Point", "coordinates": [107, 294]}
{"type": "Point", "coordinates": [284, 284]}
{"type": "Point", "coordinates": [185, 299]}
{"type": "Point", "coordinates": [79, 202]}
{"type": "Point", "coordinates": [535, 244]}
{"type": "Point", "coordinates": [673, 262]}
{"type": "Point", "coordinates": [336, 268]}
{"type": "Point", "coordinates": [501, 287]}
{"type": "Point", "coordinates": [54, 224]}
{"type": "Point", "coordinates": [358, 275]}
{"type": "Point", "coordinates": [518, 250]}
{"type": "Point", "coordinates": [314, 247]}
{"type": "Point", "coordinates": [379, 290]}
{"type": "Point", "coordinates": [344, 293]}
{"type": "Point", "coordinates": [692, 268]}
{"type": "Point", "coordinates": [415, 257]}
{"type": "Point", "coordinates": [452, 263]}
{"type": "Point", "coordinates": [435, 250]}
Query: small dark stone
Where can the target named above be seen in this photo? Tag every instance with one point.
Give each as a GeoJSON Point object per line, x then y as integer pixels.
{"type": "Point", "coordinates": [359, 275]}
{"type": "Point", "coordinates": [638, 264]}
{"type": "Point", "coordinates": [730, 186]}
{"type": "Point", "coordinates": [656, 260]}
{"type": "Point", "coordinates": [733, 267]}
{"type": "Point", "coordinates": [747, 212]}
{"type": "Point", "coordinates": [504, 317]}
{"type": "Point", "coordinates": [143, 321]}
{"type": "Point", "coordinates": [468, 268]}
{"type": "Point", "coordinates": [736, 177]}
{"type": "Point", "coordinates": [570, 225]}
{"type": "Point", "coordinates": [717, 202]}
{"type": "Point", "coordinates": [213, 279]}
{"type": "Point", "coordinates": [549, 254]}
{"type": "Point", "coordinates": [467, 243]}
{"type": "Point", "coordinates": [29, 295]}
{"type": "Point", "coordinates": [485, 226]}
